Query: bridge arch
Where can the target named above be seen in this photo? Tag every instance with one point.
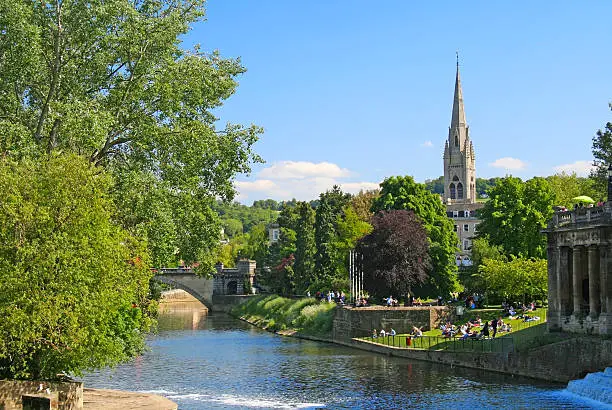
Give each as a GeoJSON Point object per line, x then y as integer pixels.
{"type": "Point", "coordinates": [199, 288]}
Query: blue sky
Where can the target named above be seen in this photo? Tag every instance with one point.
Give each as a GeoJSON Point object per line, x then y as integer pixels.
{"type": "Point", "coordinates": [351, 92]}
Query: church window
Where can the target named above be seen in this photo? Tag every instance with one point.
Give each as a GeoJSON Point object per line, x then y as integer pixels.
{"type": "Point", "coordinates": [456, 141]}
{"type": "Point", "coordinates": [460, 190]}
{"type": "Point", "coordinates": [453, 193]}
{"type": "Point", "coordinates": [455, 178]}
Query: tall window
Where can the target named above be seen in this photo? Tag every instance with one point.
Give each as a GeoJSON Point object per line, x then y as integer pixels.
{"type": "Point", "coordinates": [460, 190]}
{"type": "Point", "coordinates": [456, 141]}
{"type": "Point", "coordinates": [453, 193]}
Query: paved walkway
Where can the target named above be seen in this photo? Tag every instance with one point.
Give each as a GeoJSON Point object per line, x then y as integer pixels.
{"type": "Point", "coordinates": [101, 399]}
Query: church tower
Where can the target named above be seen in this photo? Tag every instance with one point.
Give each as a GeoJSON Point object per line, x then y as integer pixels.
{"type": "Point", "coordinates": [459, 157]}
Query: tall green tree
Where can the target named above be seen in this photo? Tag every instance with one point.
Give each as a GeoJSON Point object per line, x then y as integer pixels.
{"type": "Point", "coordinates": [515, 214]}
{"type": "Point", "coordinates": [350, 229]}
{"type": "Point", "coordinates": [520, 279]}
{"type": "Point", "coordinates": [122, 91]}
{"type": "Point", "coordinates": [602, 153]}
{"type": "Point", "coordinates": [74, 284]}
{"type": "Point", "coordinates": [404, 193]}
{"type": "Point", "coordinates": [305, 248]}
{"type": "Point", "coordinates": [567, 186]}
{"type": "Point", "coordinates": [362, 204]}
{"type": "Point", "coordinates": [330, 207]}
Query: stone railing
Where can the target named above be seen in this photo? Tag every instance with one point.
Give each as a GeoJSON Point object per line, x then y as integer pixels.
{"type": "Point", "coordinates": [580, 216]}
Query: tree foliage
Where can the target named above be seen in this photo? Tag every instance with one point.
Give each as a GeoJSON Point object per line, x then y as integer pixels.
{"type": "Point", "coordinates": [395, 254]}
{"type": "Point", "coordinates": [481, 250]}
{"type": "Point", "coordinates": [520, 279]}
{"type": "Point", "coordinates": [403, 193]}
{"type": "Point", "coordinates": [515, 214]}
{"type": "Point", "coordinates": [305, 248]}
{"type": "Point", "coordinates": [602, 153]}
{"type": "Point", "coordinates": [74, 285]}
{"type": "Point", "coordinates": [329, 209]}
{"type": "Point", "coordinates": [362, 204]}
{"type": "Point", "coordinates": [120, 90]}
{"type": "Point", "coordinates": [567, 186]}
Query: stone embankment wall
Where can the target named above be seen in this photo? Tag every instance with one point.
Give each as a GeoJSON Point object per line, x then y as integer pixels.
{"type": "Point", "coordinates": [559, 362]}
{"type": "Point", "coordinates": [61, 395]}
{"type": "Point", "coordinates": [359, 322]}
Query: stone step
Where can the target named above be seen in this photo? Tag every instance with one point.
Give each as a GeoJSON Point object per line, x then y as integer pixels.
{"type": "Point", "coordinates": [600, 378]}
{"type": "Point", "coordinates": [595, 386]}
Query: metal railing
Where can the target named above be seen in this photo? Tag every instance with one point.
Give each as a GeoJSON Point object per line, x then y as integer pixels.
{"type": "Point", "coordinates": [503, 342]}
{"type": "Point", "coordinates": [498, 344]}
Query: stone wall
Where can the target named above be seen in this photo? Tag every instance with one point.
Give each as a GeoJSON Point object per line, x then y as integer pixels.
{"type": "Point", "coordinates": [558, 362]}
{"type": "Point", "coordinates": [359, 322]}
{"type": "Point", "coordinates": [62, 395]}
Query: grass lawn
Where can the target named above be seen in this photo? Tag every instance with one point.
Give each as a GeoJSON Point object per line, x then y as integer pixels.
{"type": "Point", "coordinates": [524, 335]}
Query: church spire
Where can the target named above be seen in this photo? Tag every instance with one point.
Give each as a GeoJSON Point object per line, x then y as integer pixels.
{"type": "Point", "coordinates": [458, 119]}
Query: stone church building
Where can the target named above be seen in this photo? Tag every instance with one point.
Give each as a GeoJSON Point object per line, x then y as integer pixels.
{"type": "Point", "coordinates": [460, 177]}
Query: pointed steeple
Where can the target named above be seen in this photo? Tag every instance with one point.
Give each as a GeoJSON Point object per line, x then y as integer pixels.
{"type": "Point", "coordinates": [458, 119]}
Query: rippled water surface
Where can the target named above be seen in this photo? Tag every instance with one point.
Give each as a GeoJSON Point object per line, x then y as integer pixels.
{"type": "Point", "coordinates": [216, 362]}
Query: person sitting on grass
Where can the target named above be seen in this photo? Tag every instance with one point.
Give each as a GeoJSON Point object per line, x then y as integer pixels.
{"type": "Point", "coordinates": [383, 333]}
{"type": "Point", "coordinates": [374, 334]}
{"type": "Point", "coordinates": [392, 332]}
{"type": "Point", "coordinates": [416, 331]}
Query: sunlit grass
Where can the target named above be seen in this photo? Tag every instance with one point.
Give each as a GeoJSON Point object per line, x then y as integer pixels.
{"type": "Point", "coordinates": [276, 313]}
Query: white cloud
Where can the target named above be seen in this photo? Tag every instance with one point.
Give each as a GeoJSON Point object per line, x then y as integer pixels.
{"type": "Point", "coordinates": [303, 169]}
{"type": "Point", "coordinates": [427, 144]}
{"type": "Point", "coordinates": [581, 168]}
{"type": "Point", "coordinates": [303, 181]}
{"type": "Point", "coordinates": [355, 187]}
{"type": "Point", "coordinates": [257, 185]}
{"type": "Point", "coordinates": [508, 163]}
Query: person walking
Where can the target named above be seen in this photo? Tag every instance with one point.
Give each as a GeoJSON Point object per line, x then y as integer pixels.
{"type": "Point", "coordinates": [494, 326]}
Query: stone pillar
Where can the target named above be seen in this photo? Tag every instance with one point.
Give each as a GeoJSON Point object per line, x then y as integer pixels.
{"type": "Point", "coordinates": [564, 282]}
{"type": "Point", "coordinates": [594, 301]}
{"type": "Point", "coordinates": [554, 309]}
{"type": "Point", "coordinates": [605, 267]}
{"type": "Point", "coordinates": [577, 279]}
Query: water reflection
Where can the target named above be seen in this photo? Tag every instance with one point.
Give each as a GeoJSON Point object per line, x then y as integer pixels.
{"type": "Point", "coordinates": [182, 315]}
{"type": "Point", "coordinates": [213, 361]}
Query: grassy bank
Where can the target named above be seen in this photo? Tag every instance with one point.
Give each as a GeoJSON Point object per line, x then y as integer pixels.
{"type": "Point", "coordinates": [275, 313]}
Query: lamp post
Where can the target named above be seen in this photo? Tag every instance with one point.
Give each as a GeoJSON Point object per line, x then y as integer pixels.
{"type": "Point", "coordinates": [609, 183]}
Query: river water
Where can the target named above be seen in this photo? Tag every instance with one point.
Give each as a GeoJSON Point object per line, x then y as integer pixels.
{"type": "Point", "coordinates": [217, 362]}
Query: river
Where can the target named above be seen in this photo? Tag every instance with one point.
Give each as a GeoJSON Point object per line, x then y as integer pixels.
{"type": "Point", "coordinates": [216, 362]}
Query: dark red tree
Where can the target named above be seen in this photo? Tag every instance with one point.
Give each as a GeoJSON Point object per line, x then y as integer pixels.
{"type": "Point", "coordinates": [395, 254]}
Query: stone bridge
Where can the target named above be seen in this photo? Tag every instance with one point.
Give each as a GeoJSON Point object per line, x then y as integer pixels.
{"type": "Point", "coordinates": [210, 291]}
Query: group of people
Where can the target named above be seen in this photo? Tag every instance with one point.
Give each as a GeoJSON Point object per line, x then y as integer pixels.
{"type": "Point", "coordinates": [391, 302]}
{"type": "Point", "coordinates": [512, 313]}
{"type": "Point", "coordinates": [476, 329]}
{"type": "Point", "coordinates": [383, 333]}
{"type": "Point", "coordinates": [331, 296]}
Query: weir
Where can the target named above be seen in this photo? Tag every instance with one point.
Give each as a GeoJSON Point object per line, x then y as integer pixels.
{"type": "Point", "coordinates": [595, 386]}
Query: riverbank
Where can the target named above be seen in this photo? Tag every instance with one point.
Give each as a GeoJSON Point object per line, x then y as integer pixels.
{"type": "Point", "coordinates": [104, 399]}
{"type": "Point", "coordinates": [546, 361]}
